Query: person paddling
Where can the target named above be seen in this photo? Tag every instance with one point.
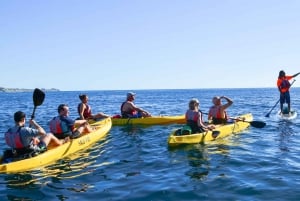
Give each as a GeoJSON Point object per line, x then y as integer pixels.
{"type": "Point", "coordinates": [284, 85]}
{"type": "Point", "coordinates": [24, 139]}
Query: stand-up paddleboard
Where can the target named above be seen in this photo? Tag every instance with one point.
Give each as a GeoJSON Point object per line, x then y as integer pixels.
{"type": "Point", "coordinates": [289, 115]}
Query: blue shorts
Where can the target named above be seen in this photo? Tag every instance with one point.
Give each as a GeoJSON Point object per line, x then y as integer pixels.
{"type": "Point", "coordinates": [137, 115]}
{"type": "Point", "coordinates": [285, 98]}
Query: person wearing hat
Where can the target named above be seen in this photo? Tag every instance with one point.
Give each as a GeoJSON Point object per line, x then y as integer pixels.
{"type": "Point", "coordinates": [217, 113]}
{"type": "Point", "coordinates": [194, 118]}
{"type": "Point", "coordinates": [284, 85]}
{"type": "Point", "coordinates": [27, 139]}
{"type": "Point", "coordinates": [85, 111]}
{"type": "Point", "coordinates": [130, 110]}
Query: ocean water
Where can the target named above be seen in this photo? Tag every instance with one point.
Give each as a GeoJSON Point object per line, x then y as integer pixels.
{"type": "Point", "coordinates": [135, 163]}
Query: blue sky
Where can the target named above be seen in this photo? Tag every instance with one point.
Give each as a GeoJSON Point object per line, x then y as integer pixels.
{"type": "Point", "coordinates": [147, 44]}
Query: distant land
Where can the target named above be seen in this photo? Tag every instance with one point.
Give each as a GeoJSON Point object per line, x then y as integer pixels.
{"type": "Point", "coordinates": [2, 89]}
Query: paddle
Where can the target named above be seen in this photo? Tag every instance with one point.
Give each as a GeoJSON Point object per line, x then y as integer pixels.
{"type": "Point", "coordinates": [256, 124]}
{"type": "Point", "coordinates": [38, 99]}
{"type": "Point", "coordinates": [268, 115]}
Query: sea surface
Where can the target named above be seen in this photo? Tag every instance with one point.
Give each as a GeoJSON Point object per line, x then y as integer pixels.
{"type": "Point", "coordinates": [135, 163]}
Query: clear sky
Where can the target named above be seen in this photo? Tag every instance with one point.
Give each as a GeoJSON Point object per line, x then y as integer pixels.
{"type": "Point", "coordinates": [147, 44]}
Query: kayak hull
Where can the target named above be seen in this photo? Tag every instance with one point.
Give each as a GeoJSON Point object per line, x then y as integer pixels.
{"type": "Point", "coordinates": [155, 120]}
{"type": "Point", "coordinates": [222, 131]}
{"type": "Point", "coordinates": [55, 153]}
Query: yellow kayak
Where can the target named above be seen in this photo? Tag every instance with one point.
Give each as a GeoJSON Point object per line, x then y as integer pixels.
{"type": "Point", "coordinates": [154, 120]}
{"type": "Point", "coordinates": [55, 153]}
{"type": "Point", "coordinates": [220, 131]}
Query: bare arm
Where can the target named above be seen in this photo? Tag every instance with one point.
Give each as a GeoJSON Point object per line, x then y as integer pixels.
{"type": "Point", "coordinates": [80, 122]}
{"type": "Point", "coordinates": [37, 126]}
{"type": "Point", "coordinates": [138, 109]}
{"type": "Point", "coordinates": [202, 124]}
{"type": "Point", "coordinates": [228, 104]}
{"type": "Point", "coordinates": [81, 109]}
{"type": "Point", "coordinates": [296, 74]}
{"type": "Point", "coordinates": [209, 114]}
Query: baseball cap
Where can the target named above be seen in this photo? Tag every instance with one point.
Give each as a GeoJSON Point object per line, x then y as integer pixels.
{"type": "Point", "coordinates": [129, 94]}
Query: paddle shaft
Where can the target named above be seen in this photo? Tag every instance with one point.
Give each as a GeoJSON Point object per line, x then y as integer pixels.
{"type": "Point", "coordinates": [268, 115]}
{"type": "Point", "coordinates": [256, 124]}
{"type": "Point", "coordinates": [33, 112]}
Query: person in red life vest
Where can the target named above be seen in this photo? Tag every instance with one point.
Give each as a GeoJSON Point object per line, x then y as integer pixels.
{"type": "Point", "coordinates": [130, 110]}
{"type": "Point", "coordinates": [194, 118]}
{"type": "Point", "coordinates": [284, 85]}
{"type": "Point", "coordinates": [217, 113]}
{"type": "Point", "coordinates": [24, 139]}
{"type": "Point", "coordinates": [85, 111]}
{"type": "Point", "coordinates": [63, 126]}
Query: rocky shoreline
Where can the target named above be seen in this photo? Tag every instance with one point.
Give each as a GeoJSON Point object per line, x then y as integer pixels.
{"type": "Point", "coordinates": [2, 89]}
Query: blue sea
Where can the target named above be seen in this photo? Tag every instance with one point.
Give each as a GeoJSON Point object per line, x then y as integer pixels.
{"type": "Point", "coordinates": [135, 163]}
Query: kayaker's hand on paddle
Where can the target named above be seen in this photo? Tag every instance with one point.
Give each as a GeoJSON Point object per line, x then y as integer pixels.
{"type": "Point", "coordinates": [210, 127]}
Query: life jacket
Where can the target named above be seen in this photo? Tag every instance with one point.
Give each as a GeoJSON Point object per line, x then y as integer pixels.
{"type": "Point", "coordinates": [57, 126]}
{"type": "Point", "coordinates": [13, 139]}
{"type": "Point", "coordinates": [192, 115]}
{"type": "Point", "coordinates": [284, 85]}
{"type": "Point", "coordinates": [216, 114]}
{"type": "Point", "coordinates": [192, 121]}
{"type": "Point", "coordinates": [87, 111]}
{"type": "Point", "coordinates": [18, 150]}
{"type": "Point", "coordinates": [127, 114]}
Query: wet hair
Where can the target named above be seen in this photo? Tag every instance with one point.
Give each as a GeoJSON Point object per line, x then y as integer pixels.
{"type": "Point", "coordinates": [281, 74]}
{"type": "Point", "coordinates": [61, 107]}
{"type": "Point", "coordinates": [18, 116]}
{"type": "Point", "coordinates": [193, 102]}
{"type": "Point", "coordinates": [82, 96]}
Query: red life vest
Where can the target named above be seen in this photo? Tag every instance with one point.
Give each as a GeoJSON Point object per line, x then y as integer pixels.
{"type": "Point", "coordinates": [215, 112]}
{"type": "Point", "coordinates": [57, 126]}
{"type": "Point", "coordinates": [13, 139]}
{"type": "Point", "coordinates": [192, 115]}
{"type": "Point", "coordinates": [87, 111]}
{"type": "Point", "coordinates": [284, 85]}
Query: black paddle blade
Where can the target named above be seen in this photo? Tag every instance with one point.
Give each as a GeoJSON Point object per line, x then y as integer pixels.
{"type": "Point", "coordinates": [257, 124]}
{"type": "Point", "coordinates": [38, 97]}
{"type": "Point", "coordinates": [215, 134]}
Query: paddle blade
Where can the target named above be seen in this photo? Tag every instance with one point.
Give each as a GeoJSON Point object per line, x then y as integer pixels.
{"type": "Point", "coordinates": [215, 133]}
{"type": "Point", "coordinates": [38, 97]}
{"type": "Point", "coordinates": [257, 124]}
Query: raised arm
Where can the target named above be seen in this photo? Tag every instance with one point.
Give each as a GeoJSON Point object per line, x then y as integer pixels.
{"type": "Point", "coordinates": [228, 104]}
{"type": "Point", "coordinates": [37, 126]}
{"type": "Point", "coordinates": [296, 74]}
